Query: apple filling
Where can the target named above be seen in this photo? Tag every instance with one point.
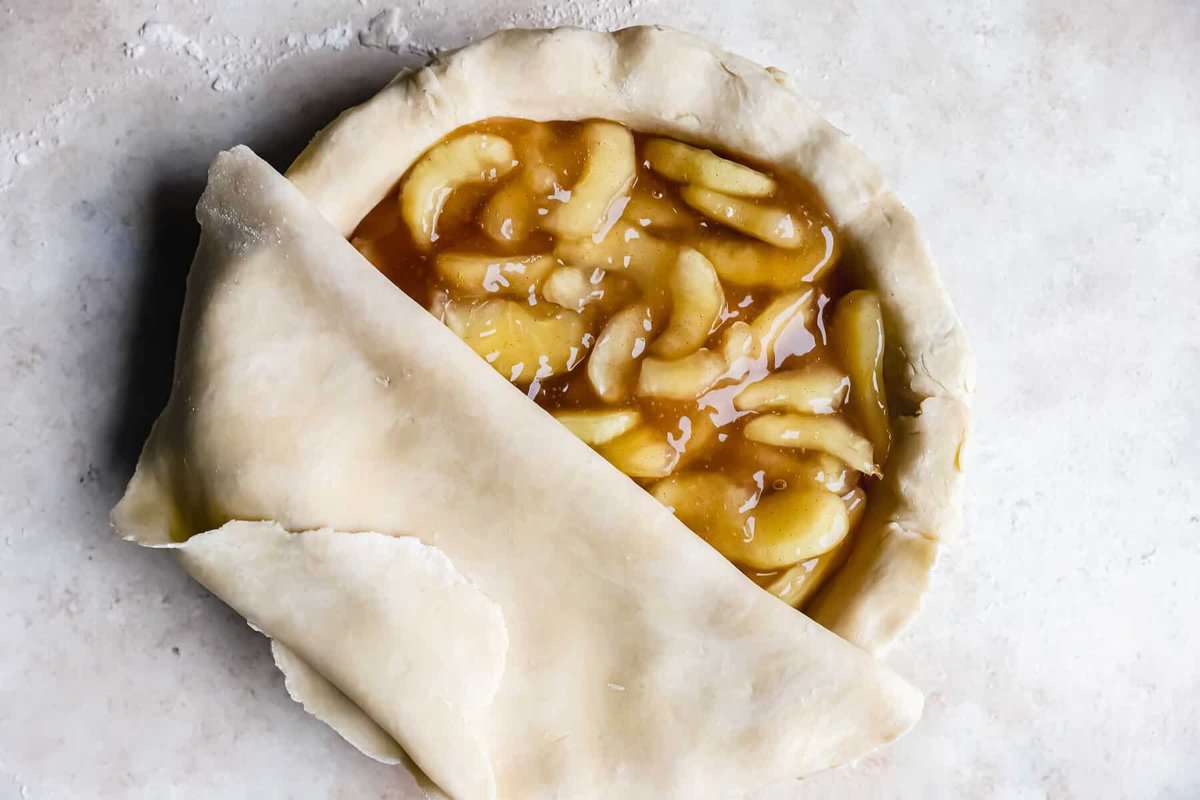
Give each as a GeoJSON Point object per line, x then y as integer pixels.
{"type": "Point", "coordinates": [678, 310]}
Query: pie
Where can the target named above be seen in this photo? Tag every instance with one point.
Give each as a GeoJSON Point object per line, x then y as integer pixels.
{"type": "Point", "coordinates": [515, 409]}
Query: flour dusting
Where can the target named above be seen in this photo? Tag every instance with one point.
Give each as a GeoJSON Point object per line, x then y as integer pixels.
{"type": "Point", "coordinates": [335, 37]}
{"type": "Point", "coordinates": [20, 149]}
{"type": "Point", "coordinates": [601, 15]}
{"type": "Point", "coordinates": [223, 61]}
{"type": "Point", "coordinates": [386, 31]}
{"type": "Point", "coordinates": [229, 62]}
{"type": "Point", "coordinates": [170, 38]}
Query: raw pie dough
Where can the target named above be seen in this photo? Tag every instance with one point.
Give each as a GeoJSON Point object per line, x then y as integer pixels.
{"type": "Point", "coordinates": [563, 636]}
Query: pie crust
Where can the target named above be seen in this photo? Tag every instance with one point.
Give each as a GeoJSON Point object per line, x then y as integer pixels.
{"type": "Point", "coordinates": [577, 641]}
{"type": "Point", "coordinates": [665, 82]}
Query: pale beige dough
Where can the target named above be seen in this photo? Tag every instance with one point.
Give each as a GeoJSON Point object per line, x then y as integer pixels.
{"type": "Point", "coordinates": [601, 648]}
{"type": "Point", "coordinates": [635, 661]}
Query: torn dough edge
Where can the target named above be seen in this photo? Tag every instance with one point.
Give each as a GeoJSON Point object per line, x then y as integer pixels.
{"type": "Point", "coordinates": [320, 696]}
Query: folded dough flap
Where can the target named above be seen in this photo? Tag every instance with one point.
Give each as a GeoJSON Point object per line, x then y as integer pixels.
{"type": "Point", "coordinates": [326, 702]}
{"type": "Point", "coordinates": [639, 663]}
{"type": "Point", "coordinates": [386, 620]}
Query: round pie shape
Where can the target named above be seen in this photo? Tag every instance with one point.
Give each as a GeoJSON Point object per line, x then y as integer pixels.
{"type": "Point", "coordinates": [660, 81]}
{"type": "Point", "coordinates": [307, 397]}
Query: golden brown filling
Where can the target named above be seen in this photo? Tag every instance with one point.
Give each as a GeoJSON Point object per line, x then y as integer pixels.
{"type": "Point", "coordinates": [677, 310]}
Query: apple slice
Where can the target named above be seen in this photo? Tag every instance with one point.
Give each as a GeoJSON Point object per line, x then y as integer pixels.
{"type": "Point", "coordinates": [826, 434]}
{"type": "Point", "coordinates": [522, 343]}
{"type": "Point", "coordinates": [797, 584]}
{"type": "Point", "coordinates": [607, 177]}
{"type": "Point", "coordinates": [856, 332]}
{"type": "Point", "coordinates": [472, 158]}
{"type": "Point", "coordinates": [613, 364]}
{"type": "Point", "coordinates": [771, 224]}
{"type": "Point", "coordinates": [746, 262]}
{"type": "Point", "coordinates": [682, 378]}
{"type": "Point", "coordinates": [686, 164]}
{"type": "Point", "coordinates": [500, 275]}
{"type": "Point", "coordinates": [697, 300]}
{"type": "Point", "coordinates": [597, 427]}
{"type": "Point", "coordinates": [814, 389]}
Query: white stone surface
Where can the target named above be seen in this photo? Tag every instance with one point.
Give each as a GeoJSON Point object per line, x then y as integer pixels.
{"type": "Point", "coordinates": [1052, 150]}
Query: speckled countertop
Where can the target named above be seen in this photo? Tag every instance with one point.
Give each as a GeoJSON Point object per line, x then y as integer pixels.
{"type": "Point", "coordinates": [1052, 152]}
